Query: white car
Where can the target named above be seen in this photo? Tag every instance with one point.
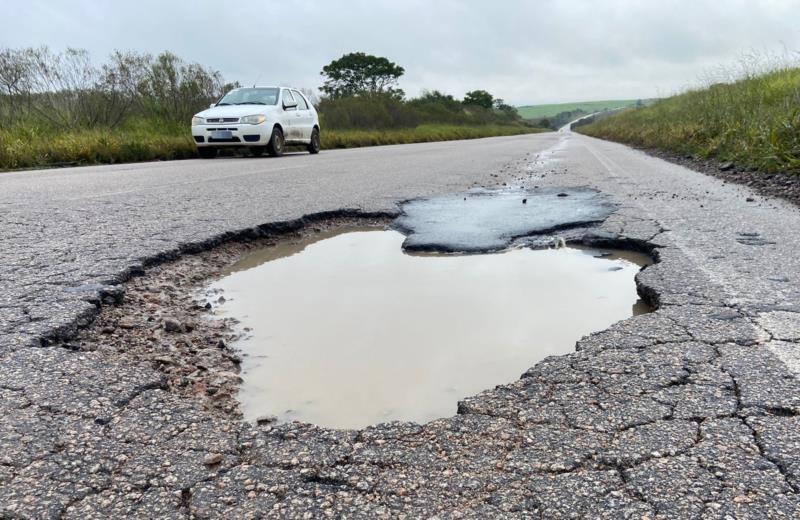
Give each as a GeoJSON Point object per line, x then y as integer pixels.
{"type": "Point", "coordinates": [259, 118]}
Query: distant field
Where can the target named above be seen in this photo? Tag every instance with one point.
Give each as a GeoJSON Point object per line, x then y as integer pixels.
{"type": "Point", "coordinates": [539, 111]}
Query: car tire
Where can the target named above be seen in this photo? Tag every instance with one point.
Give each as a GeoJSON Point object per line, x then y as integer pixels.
{"type": "Point", "coordinates": [315, 144]}
{"type": "Point", "coordinates": [257, 151]}
{"type": "Point", "coordinates": [276, 143]}
{"type": "Point", "coordinates": [207, 152]}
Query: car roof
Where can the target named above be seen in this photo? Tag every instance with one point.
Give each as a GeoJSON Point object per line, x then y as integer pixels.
{"type": "Point", "coordinates": [267, 86]}
{"type": "Point", "coordinates": [271, 86]}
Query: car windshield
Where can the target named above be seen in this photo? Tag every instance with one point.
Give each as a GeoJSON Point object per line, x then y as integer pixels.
{"type": "Point", "coordinates": [250, 96]}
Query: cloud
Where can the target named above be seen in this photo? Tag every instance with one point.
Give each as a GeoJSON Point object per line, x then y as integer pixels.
{"type": "Point", "coordinates": [523, 51]}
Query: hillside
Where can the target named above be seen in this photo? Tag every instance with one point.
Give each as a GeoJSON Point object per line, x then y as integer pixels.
{"type": "Point", "coordinates": [541, 111]}
{"type": "Point", "coordinates": [753, 122]}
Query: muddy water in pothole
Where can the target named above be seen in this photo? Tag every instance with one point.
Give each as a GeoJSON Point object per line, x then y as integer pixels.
{"type": "Point", "coordinates": [348, 330]}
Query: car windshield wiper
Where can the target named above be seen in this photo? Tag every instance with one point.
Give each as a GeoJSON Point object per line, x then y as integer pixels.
{"type": "Point", "coordinates": [221, 104]}
{"type": "Point", "coordinates": [251, 103]}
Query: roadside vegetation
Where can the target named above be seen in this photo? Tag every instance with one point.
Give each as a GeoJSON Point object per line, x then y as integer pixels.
{"type": "Point", "coordinates": [364, 106]}
{"type": "Point", "coordinates": [750, 118]}
{"type": "Point", "coordinates": [419, 134]}
{"type": "Point", "coordinates": [61, 109]}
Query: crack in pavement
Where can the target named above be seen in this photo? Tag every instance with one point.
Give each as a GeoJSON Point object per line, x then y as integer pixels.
{"type": "Point", "coordinates": [681, 413]}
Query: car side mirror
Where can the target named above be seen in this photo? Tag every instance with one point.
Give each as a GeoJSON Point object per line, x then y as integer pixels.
{"type": "Point", "coordinates": [212, 105]}
{"type": "Point", "coordinates": [289, 104]}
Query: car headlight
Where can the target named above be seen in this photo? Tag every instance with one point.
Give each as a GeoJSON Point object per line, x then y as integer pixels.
{"type": "Point", "coordinates": [253, 120]}
{"type": "Point", "coordinates": [198, 121]}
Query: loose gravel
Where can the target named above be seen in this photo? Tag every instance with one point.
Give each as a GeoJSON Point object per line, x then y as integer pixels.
{"type": "Point", "coordinates": [167, 320]}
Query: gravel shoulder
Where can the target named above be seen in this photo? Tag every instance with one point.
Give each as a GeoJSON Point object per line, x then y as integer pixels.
{"type": "Point", "coordinates": [784, 186]}
{"type": "Point", "coordinates": [688, 412]}
{"type": "Point", "coordinates": [780, 185]}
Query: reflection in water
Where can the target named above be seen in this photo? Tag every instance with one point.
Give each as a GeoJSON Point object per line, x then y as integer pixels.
{"type": "Point", "coordinates": [347, 330]}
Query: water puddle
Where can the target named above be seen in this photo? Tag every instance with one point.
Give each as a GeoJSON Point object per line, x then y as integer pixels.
{"type": "Point", "coordinates": [345, 329]}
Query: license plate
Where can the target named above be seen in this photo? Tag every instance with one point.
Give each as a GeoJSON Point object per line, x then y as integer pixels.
{"type": "Point", "coordinates": [221, 134]}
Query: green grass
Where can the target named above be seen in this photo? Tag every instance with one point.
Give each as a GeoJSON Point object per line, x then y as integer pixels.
{"type": "Point", "coordinates": [420, 134]}
{"type": "Point", "coordinates": [753, 122]}
{"type": "Point", "coordinates": [31, 147]}
{"type": "Point", "coordinates": [541, 111]}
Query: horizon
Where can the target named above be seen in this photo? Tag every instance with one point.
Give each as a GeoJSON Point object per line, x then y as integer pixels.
{"type": "Point", "coordinates": [545, 55]}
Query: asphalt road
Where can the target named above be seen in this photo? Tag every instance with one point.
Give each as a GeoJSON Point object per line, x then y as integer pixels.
{"type": "Point", "coordinates": [688, 412]}
{"type": "Point", "coordinates": [70, 227]}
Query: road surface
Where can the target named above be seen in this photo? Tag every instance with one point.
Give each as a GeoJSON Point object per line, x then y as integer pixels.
{"type": "Point", "coordinates": [687, 412]}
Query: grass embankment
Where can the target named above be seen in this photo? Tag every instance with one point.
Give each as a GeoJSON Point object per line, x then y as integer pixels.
{"type": "Point", "coordinates": [753, 122]}
{"type": "Point", "coordinates": [420, 134]}
{"type": "Point", "coordinates": [547, 111]}
{"type": "Point", "coordinates": [31, 147]}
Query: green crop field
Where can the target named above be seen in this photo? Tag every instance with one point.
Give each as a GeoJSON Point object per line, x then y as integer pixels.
{"type": "Point", "coordinates": [540, 111]}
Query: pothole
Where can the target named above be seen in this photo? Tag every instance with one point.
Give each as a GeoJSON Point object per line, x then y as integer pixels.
{"type": "Point", "coordinates": [344, 328]}
{"type": "Point", "coordinates": [438, 326]}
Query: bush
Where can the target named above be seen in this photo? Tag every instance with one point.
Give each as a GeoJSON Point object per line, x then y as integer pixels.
{"type": "Point", "coordinates": [66, 91]}
{"type": "Point", "coordinates": [387, 111]}
{"type": "Point", "coordinates": [420, 134]}
{"type": "Point", "coordinates": [59, 109]}
{"type": "Point", "coordinates": [366, 112]}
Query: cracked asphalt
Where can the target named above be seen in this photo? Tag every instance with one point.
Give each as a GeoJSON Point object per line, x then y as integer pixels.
{"type": "Point", "coordinates": [692, 411]}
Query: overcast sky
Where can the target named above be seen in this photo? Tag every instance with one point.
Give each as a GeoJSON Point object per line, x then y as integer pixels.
{"type": "Point", "coordinates": [523, 51]}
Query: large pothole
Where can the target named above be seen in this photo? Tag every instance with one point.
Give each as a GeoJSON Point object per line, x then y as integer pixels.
{"type": "Point", "coordinates": [347, 328]}
{"type": "Point", "coordinates": [344, 329]}
{"type": "Point", "coordinates": [334, 322]}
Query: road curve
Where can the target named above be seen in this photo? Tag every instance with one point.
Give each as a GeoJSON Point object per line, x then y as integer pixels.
{"type": "Point", "coordinates": [691, 411]}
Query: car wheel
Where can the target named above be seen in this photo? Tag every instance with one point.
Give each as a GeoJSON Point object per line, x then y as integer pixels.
{"type": "Point", "coordinates": [207, 152]}
{"type": "Point", "coordinates": [276, 143]}
{"type": "Point", "coordinates": [257, 151]}
{"type": "Point", "coordinates": [315, 144]}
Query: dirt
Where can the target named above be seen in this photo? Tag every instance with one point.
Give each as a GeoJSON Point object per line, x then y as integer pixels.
{"type": "Point", "coordinates": [164, 320]}
{"type": "Point", "coordinates": [782, 185]}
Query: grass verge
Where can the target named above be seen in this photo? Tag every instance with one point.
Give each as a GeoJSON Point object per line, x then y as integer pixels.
{"type": "Point", "coordinates": [420, 134]}
{"type": "Point", "coordinates": [32, 148]}
{"type": "Point", "coordinates": [753, 122]}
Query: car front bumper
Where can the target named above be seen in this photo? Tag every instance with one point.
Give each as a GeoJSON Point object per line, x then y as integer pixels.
{"type": "Point", "coordinates": [240, 135]}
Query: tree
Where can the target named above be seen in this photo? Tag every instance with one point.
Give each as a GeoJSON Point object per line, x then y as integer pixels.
{"type": "Point", "coordinates": [65, 90]}
{"type": "Point", "coordinates": [15, 71]}
{"type": "Point", "coordinates": [479, 98]}
{"type": "Point", "coordinates": [358, 74]}
{"type": "Point", "coordinates": [117, 90]}
{"type": "Point", "coordinates": [174, 89]}
{"type": "Point", "coordinates": [57, 87]}
{"type": "Point", "coordinates": [501, 106]}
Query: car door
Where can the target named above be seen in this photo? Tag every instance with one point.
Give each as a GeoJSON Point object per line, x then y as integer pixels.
{"type": "Point", "coordinates": [290, 116]}
{"type": "Point", "coordinates": [305, 118]}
